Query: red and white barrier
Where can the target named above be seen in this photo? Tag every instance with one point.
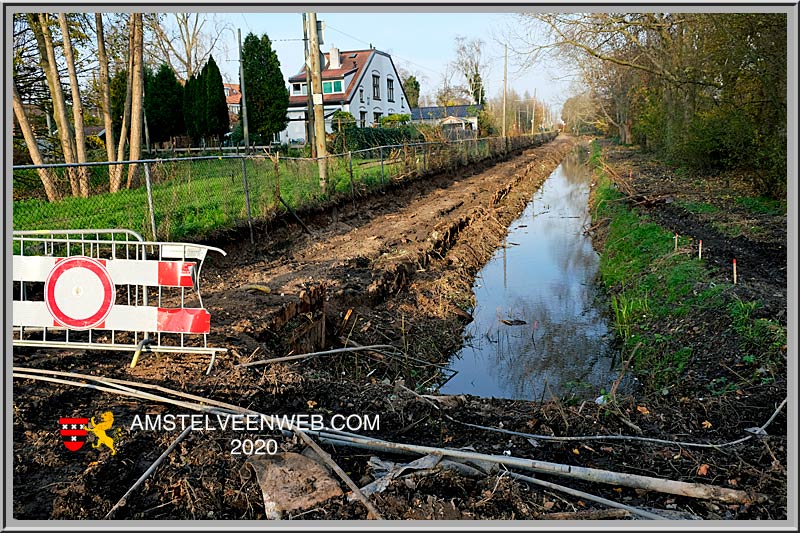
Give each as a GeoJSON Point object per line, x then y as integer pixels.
{"type": "Point", "coordinates": [95, 283]}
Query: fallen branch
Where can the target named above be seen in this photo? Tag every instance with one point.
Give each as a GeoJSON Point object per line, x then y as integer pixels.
{"type": "Point", "coordinates": [624, 369]}
{"type": "Point", "coordinates": [600, 514]}
{"type": "Point", "coordinates": [122, 501]}
{"type": "Point", "coordinates": [314, 354]}
{"type": "Point", "coordinates": [636, 481]}
{"type": "Point", "coordinates": [587, 496]}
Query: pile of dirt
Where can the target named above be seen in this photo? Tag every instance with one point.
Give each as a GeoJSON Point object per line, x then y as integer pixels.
{"type": "Point", "coordinates": [395, 269]}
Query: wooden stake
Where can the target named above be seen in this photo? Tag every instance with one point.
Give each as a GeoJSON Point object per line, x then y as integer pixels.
{"type": "Point", "coordinates": [700, 250]}
{"type": "Point", "coordinates": [734, 271]}
{"type": "Point", "coordinates": [676, 241]}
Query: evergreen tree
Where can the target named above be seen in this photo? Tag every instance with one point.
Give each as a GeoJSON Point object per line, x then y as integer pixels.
{"type": "Point", "coordinates": [411, 88]}
{"type": "Point", "coordinates": [191, 105]}
{"type": "Point", "coordinates": [163, 104]}
{"type": "Point", "coordinates": [267, 95]}
{"type": "Point", "coordinates": [216, 107]}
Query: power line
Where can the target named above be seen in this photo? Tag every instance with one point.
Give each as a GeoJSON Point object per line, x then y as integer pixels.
{"type": "Point", "coordinates": [393, 55]}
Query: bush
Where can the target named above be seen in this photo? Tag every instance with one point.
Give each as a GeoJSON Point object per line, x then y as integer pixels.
{"type": "Point", "coordinates": [394, 120]}
{"type": "Point", "coordinates": [364, 138]}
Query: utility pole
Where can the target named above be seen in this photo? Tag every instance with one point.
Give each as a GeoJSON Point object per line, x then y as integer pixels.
{"type": "Point", "coordinates": [505, 79]}
{"type": "Point", "coordinates": [244, 100]}
{"type": "Point", "coordinates": [316, 98]}
{"type": "Point", "coordinates": [310, 107]}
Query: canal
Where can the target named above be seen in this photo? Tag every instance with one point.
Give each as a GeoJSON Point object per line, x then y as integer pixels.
{"type": "Point", "coordinates": [538, 328]}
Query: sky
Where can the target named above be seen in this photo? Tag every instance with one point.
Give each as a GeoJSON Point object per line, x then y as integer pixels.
{"type": "Point", "coordinates": [421, 42]}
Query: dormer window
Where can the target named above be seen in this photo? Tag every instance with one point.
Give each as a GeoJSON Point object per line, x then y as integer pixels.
{"type": "Point", "coordinates": [334, 86]}
{"type": "Point", "coordinates": [299, 89]}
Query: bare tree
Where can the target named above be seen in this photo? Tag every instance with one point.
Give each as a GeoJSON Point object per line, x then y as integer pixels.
{"type": "Point", "coordinates": [137, 97]}
{"type": "Point", "coordinates": [45, 174]}
{"type": "Point", "coordinates": [450, 93]}
{"type": "Point", "coordinates": [41, 24]}
{"type": "Point", "coordinates": [470, 63]}
{"type": "Point", "coordinates": [116, 172]}
{"type": "Point", "coordinates": [105, 91]}
{"type": "Point", "coordinates": [184, 41]}
{"type": "Point", "coordinates": [77, 107]}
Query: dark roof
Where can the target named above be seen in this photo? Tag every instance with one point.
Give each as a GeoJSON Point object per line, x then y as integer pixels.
{"type": "Point", "coordinates": [432, 113]}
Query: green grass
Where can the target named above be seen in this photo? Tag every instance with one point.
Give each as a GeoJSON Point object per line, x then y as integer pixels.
{"type": "Point", "coordinates": [761, 205]}
{"type": "Point", "coordinates": [192, 198]}
{"type": "Point", "coordinates": [698, 208]}
{"type": "Point", "coordinates": [649, 283]}
{"type": "Point", "coordinates": [760, 335]}
{"type": "Point", "coordinates": [652, 287]}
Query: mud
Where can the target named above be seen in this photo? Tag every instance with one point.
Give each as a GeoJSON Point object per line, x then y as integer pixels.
{"type": "Point", "coordinates": [394, 268]}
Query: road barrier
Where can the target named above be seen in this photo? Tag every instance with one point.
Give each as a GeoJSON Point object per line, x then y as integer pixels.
{"type": "Point", "coordinates": [109, 289]}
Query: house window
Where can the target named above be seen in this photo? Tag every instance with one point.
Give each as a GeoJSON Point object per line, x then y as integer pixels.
{"type": "Point", "coordinates": [363, 119]}
{"type": "Point", "coordinates": [235, 109]}
{"type": "Point", "coordinates": [390, 90]}
{"type": "Point", "coordinates": [299, 88]}
{"type": "Point", "coordinates": [329, 87]}
{"type": "Point", "coordinates": [227, 91]}
{"type": "Point", "coordinates": [377, 118]}
{"type": "Point", "coordinates": [361, 94]}
{"type": "Point", "coordinates": [376, 87]}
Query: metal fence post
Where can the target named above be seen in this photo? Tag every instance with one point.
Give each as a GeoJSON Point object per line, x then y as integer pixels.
{"type": "Point", "coordinates": [383, 177]}
{"type": "Point", "coordinates": [247, 198]}
{"type": "Point", "coordinates": [276, 163]}
{"type": "Point", "coordinates": [150, 201]}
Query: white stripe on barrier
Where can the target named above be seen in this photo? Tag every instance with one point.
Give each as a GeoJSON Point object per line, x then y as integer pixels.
{"type": "Point", "coordinates": [122, 271]}
{"type": "Point", "coordinates": [122, 318]}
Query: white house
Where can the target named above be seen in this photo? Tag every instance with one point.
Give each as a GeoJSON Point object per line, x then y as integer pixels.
{"type": "Point", "coordinates": [364, 83]}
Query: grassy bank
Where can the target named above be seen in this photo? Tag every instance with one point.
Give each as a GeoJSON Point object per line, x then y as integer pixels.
{"type": "Point", "coordinates": [670, 311]}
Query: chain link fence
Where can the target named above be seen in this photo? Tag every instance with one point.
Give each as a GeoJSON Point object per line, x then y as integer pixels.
{"type": "Point", "coordinates": [186, 199]}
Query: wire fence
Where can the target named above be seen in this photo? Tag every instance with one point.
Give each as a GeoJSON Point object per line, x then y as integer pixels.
{"type": "Point", "coordinates": [186, 199]}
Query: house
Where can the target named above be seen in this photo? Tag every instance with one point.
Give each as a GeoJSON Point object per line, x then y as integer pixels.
{"type": "Point", "coordinates": [233, 97]}
{"type": "Point", "coordinates": [364, 83]}
{"type": "Point", "coordinates": [464, 117]}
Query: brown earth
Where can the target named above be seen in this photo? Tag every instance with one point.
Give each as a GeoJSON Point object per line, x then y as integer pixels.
{"type": "Point", "coordinates": [396, 269]}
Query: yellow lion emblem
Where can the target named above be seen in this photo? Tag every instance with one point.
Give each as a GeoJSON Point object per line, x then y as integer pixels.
{"type": "Point", "coordinates": [99, 430]}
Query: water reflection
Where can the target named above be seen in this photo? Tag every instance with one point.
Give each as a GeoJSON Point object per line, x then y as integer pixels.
{"type": "Point", "coordinates": [537, 329]}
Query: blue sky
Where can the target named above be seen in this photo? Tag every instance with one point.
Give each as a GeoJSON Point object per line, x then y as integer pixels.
{"type": "Point", "coordinates": [422, 42]}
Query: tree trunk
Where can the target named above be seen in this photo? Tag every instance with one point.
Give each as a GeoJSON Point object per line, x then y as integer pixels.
{"type": "Point", "coordinates": [77, 108]}
{"type": "Point", "coordinates": [105, 92]}
{"type": "Point", "coordinates": [116, 176]}
{"type": "Point", "coordinates": [59, 107]}
{"type": "Point", "coordinates": [45, 174]}
{"type": "Point", "coordinates": [136, 99]}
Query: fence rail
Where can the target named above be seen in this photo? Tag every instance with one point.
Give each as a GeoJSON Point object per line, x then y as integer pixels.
{"type": "Point", "coordinates": [189, 197]}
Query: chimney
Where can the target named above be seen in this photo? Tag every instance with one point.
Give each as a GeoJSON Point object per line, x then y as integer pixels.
{"type": "Point", "coordinates": [334, 62]}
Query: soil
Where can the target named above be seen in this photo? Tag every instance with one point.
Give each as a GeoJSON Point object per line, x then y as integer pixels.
{"type": "Point", "coordinates": [396, 268]}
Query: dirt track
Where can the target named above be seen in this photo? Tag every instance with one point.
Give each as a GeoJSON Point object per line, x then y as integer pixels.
{"type": "Point", "coordinates": [391, 269]}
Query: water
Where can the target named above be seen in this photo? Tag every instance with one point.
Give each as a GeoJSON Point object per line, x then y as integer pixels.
{"type": "Point", "coordinates": [542, 282]}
